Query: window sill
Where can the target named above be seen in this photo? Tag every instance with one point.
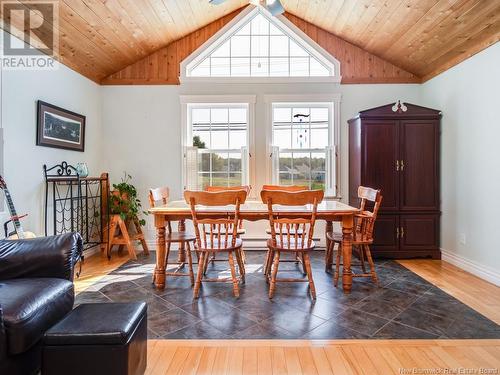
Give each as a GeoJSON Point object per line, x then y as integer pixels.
{"type": "Point", "coordinates": [226, 80]}
{"type": "Point", "coordinates": [333, 198]}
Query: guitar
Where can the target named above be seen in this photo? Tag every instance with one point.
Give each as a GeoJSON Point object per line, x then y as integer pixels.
{"type": "Point", "coordinates": [19, 233]}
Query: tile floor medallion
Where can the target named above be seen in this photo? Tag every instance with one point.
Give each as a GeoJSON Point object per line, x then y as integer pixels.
{"type": "Point", "coordinates": [403, 306]}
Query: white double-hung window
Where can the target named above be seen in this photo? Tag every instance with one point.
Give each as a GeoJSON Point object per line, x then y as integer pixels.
{"type": "Point", "coordinates": [217, 138]}
{"type": "Point", "coordinates": [304, 140]}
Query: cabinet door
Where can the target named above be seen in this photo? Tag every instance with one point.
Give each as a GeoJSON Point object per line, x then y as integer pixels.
{"type": "Point", "coordinates": [380, 150]}
{"type": "Point", "coordinates": [420, 165]}
{"type": "Point", "coordinates": [419, 232]}
{"type": "Point", "coordinates": [386, 241]}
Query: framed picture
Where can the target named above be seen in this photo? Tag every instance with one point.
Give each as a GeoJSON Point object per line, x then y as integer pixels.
{"type": "Point", "coordinates": [59, 128]}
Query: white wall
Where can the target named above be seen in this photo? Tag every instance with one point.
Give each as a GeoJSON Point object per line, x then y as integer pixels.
{"type": "Point", "coordinates": [143, 123]}
{"type": "Point", "coordinates": [23, 160]}
{"type": "Point", "coordinates": [468, 94]}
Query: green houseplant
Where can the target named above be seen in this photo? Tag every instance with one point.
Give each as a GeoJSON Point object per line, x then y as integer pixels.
{"type": "Point", "coordinates": [124, 201]}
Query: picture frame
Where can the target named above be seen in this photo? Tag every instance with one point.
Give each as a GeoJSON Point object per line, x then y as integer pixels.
{"type": "Point", "coordinates": [59, 128]}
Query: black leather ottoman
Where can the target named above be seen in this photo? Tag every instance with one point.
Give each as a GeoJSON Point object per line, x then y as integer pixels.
{"type": "Point", "coordinates": [100, 338]}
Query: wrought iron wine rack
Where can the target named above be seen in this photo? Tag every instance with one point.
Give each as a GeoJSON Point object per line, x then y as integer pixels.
{"type": "Point", "coordinates": [76, 204]}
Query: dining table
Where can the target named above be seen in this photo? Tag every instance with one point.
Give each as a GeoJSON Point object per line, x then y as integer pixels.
{"type": "Point", "coordinates": [253, 210]}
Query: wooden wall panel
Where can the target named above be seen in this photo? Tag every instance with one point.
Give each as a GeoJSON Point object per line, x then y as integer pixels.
{"type": "Point", "coordinates": [357, 65]}
{"type": "Point", "coordinates": [163, 66]}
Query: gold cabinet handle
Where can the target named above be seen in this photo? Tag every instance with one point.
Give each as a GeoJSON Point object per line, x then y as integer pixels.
{"type": "Point", "coordinates": [402, 232]}
{"type": "Point", "coordinates": [397, 165]}
{"type": "Point", "coordinates": [402, 165]}
{"type": "Point", "coordinates": [397, 232]}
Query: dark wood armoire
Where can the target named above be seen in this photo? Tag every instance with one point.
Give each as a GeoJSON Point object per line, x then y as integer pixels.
{"type": "Point", "coordinates": [395, 148]}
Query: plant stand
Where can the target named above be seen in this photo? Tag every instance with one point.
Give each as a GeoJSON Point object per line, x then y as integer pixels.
{"type": "Point", "coordinates": [119, 235]}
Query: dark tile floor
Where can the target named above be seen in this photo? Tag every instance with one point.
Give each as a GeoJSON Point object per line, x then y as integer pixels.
{"type": "Point", "coordinates": [403, 306]}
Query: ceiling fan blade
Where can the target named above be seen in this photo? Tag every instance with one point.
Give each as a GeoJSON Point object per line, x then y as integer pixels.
{"type": "Point", "coordinates": [274, 7]}
{"type": "Point", "coordinates": [216, 2]}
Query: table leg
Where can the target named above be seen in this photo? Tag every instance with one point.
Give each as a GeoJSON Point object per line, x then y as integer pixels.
{"type": "Point", "coordinates": [328, 257]}
{"type": "Point", "coordinates": [347, 226]}
{"type": "Point", "coordinates": [159, 275]}
{"type": "Point", "coordinates": [181, 255]}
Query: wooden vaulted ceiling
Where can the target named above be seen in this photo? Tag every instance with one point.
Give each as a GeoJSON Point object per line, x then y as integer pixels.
{"type": "Point", "coordinates": [379, 40]}
{"type": "Point", "coordinates": [357, 65]}
{"type": "Point", "coordinates": [100, 37]}
{"type": "Point", "coordinates": [424, 37]}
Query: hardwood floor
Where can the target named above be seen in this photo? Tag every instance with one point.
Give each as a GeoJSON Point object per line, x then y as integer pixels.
{"type": "Point", "coordinates": [481, 295]}
{"type": "Point", "coordinates": [332, 357]}
{"type": "Point", "coordinates": [368, 357]}
{"type": "Point", "coordinates": [96, 266]}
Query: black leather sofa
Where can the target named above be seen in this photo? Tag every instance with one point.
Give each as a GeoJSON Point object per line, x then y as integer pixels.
{"type": "Point", "coordinates": [36, 292]}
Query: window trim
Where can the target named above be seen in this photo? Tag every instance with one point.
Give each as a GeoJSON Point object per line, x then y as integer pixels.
{"type": "Point", "coordinates": [249, 100]}
{"type": "Point", "coordinates": [288, 27]}
{"type": "Point", "coordinates": [335, 100]}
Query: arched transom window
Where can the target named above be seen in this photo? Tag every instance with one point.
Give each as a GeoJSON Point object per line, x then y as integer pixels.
{"type": "Point", "coordinates": [259, 45]}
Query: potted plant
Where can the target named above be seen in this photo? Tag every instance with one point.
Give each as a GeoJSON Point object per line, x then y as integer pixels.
{"type": "Point", "coordinates": [124, 201]}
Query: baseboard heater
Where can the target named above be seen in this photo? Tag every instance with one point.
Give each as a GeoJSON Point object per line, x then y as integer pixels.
{"type": "Point", "coordinates": [261, 243]}
{"type": "Point", "coordinates": [248, 244]}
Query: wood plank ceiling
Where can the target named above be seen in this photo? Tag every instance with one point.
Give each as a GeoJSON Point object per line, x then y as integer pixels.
{"type": "Point", "coordinates": [100, 37]}
{"type": "Point", "coordinates": [423, 37]}
{"type": "Point", "coordinates": [163, 66]}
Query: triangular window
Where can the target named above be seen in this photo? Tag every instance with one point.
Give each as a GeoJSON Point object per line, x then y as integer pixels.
{"type": "Point", "coordinates": [259, 45]}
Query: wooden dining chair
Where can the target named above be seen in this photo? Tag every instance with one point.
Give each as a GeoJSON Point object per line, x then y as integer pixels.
{"type": "Point", "coordinates": [364, 223]}
{"type": "Point", "coordinates": [241, 229]}
{"type": "Point", "coordinates": [183, 239]}
{"type": "Point", "coordinates": [338, 235]}
{"type": "Point", "coordinates": [297, 259]}
{"type": "Point", "coordinates": [216, 189]}
{"type": "Point", "coordinates": [218, 235]}
{"type": "Point", "coordinates": [283, 240]}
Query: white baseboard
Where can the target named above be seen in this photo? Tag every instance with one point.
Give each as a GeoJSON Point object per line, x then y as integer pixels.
{"type": "Point", "coordinates": [479, 270]}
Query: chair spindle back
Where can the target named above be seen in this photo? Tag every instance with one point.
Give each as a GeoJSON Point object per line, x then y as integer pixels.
{"type": "Point", "coordinates": [293, 232]}
{"type": "Point", "coordinates": [216, 233]}
{"type": "Point", "coordinates": [213, 189]}
{"type": "Point", "coordinates": [159, 194]}
{"type": "Point", "coordinates": [365, 220]}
